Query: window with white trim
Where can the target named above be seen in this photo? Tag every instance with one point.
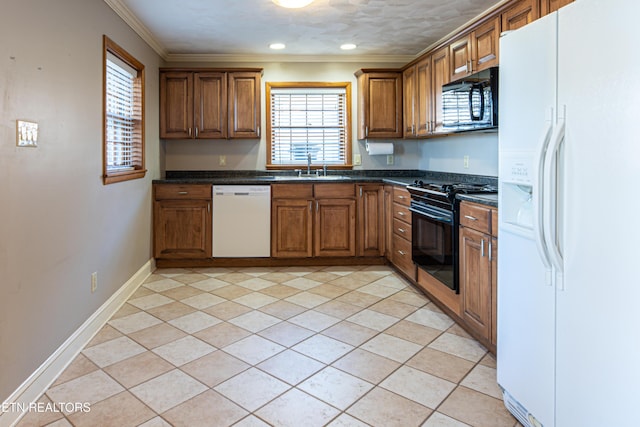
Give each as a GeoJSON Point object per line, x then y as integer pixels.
{"type": "Point", "coordinates": [308, 119]}
{"type": "Point", "coordinates": [123, 142]}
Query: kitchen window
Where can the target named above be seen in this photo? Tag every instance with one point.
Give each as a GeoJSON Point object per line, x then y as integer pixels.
{"type": "Point", "coordinates": [123, 117]}
{"type": "Point", "coordinates": [308, 119]}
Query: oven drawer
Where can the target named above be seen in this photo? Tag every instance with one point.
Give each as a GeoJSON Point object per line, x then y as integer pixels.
{"type": "Point", "coordinates": [401, 256]}
{"type": "Point", "coordinates": [402, 213]}
{"type": "Point", "coordinates": [475, 216]}
{"type": "Point", "coordinates": [402, 229]}
{"type": "Point", "coordinates": [401, 196]}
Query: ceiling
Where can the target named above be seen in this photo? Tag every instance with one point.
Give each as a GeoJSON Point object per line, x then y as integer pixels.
{"type": "Point", "coordinates": [241, 30]}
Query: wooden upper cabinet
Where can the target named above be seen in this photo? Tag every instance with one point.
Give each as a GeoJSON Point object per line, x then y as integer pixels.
{"type": "Point", "coordinates": [409, 101]}
{"type": "Point", "coordinates": [441, 76]}
{"type": "Point", "coordinates": [519, 14]}
{"type": "Point", "coordinates": [476, 51]}
{"type": "Point", "coordinates": [176, 105]}
{"type": "Point", "coordinates": [209, 104]}
{"type": "Point", "coordinates": [379, 104]}
{"type": "Point", "coordinates": [418, 99]}
{"type": "Point", "coordinates": [244, 105]}
{"type": "Point", "coordinates": [548, 6]}
{"type": "Point", "coordinates": [485, 45]}
{"type": "Point", "coordinates": [210, 111]}
{"type": "Point", "coordinates": [424, 98]}
{"type": "Point", "coordinates": [460, 58]}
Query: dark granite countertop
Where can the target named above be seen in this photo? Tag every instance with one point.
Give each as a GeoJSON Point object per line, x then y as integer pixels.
{"type": "Point", "coordinates": [485, 199]}
{"type": "Point", "coordinates": [388, 176]}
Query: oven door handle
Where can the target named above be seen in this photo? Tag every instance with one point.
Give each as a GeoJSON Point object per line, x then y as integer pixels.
{"type": "Point", "coordinates": [433, 217]}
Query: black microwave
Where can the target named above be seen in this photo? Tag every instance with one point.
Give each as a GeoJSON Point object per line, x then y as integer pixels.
{"type": "Point", "coordinates": [471, 103]}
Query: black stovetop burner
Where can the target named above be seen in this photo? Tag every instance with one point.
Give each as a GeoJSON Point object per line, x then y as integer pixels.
{"type": "Point", "coordinates": [453, 188]}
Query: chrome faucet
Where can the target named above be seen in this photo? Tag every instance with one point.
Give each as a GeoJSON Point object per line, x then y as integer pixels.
{"type": "Point", "coordinates": [308, 163]}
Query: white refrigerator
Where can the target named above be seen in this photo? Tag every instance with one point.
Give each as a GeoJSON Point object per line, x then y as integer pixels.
{"type": "Point", "coordinates": [568, 349]}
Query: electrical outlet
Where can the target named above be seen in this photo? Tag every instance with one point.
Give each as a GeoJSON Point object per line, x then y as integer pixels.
{"type": "Point", "coordinates": [94, 281]}
{"type": "Point", "coordinates": [357, 159]}
{"type": "Point", "coordinates": [466, 162]}
{"type": "Point", "coordinates": [223, 161]}
{"type": "Point", "coordinates": [390, 159]}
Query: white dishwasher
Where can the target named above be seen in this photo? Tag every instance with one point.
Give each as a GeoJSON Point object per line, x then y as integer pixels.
{"type": "Point", "coordinates": [241, 221]}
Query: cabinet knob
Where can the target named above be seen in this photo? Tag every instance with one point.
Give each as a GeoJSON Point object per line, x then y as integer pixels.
{"type": "Point", "coordinates": [402, 253]}
{"type": "Point", "coordinates": [401, 230]}
{"type": "Point", "coordinates": [183, 193]}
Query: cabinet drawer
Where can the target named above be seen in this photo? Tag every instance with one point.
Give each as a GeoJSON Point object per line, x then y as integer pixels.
{"type": "Point", "coordinates": [402, 213]}
{"type": "Point", "coordinates": [402, 229]}
{"type": "Point", "coordinates": [401, 196]}
{"type": "Point", "coordinates": [334, 191]}
{"type": "Point", "coordinates": [475, 216]}
{"type": "Point", "coordinates": [401, 256]}
{"type": "Point", "coordinates": [292, 191]}
{"type": "Point", "coordinates": [182, 191]}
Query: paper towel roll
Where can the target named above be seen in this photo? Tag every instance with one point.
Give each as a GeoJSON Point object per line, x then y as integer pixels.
{"type": "Point", "coordinates": [379, 148]}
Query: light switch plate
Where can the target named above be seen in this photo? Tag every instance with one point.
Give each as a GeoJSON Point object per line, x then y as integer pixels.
{"type": "Point", "coordinates": [26, 133]}
{"type": "Point", "coordinates": [357, 159]}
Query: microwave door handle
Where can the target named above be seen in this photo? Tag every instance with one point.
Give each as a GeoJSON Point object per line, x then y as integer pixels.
{"type": "Point", "coordinates": [481, 112]}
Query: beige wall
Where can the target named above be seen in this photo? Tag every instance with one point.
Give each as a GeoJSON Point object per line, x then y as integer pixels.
{"type": "Point", "coordinates": [58, 223]}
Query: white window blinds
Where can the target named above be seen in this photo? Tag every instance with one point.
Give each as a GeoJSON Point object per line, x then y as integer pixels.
{"type": "Point", "coordinates": [123, 116]}
{"type": "Point", "coordinates": [308, 121]}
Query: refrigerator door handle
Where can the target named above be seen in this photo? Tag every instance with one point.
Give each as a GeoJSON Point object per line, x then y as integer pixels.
{"type": "Point", "coordinates": [540, 202]}
{"type": "Point", "coordinates": [552, 202]}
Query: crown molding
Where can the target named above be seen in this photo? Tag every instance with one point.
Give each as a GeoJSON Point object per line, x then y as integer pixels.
{"type": "Point", "coordinates": [186, 57]}
{"type": "Point", "coordinates": [132, 21]}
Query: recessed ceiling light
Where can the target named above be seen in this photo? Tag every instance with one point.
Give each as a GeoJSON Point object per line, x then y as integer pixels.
{"type": "Point", "coordinates": [293, 4]}
{"type": "Point", "coordinates": [348, 46]}
{"type": "Point", "coordinates": [277, 46]}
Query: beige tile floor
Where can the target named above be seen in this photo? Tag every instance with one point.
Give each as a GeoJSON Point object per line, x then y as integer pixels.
{"type": "Point", "coordinates": [299, 346]}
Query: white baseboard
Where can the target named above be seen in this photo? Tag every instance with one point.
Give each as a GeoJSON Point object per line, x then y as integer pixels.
{"type": "Point", "coordinates": [30, 390]}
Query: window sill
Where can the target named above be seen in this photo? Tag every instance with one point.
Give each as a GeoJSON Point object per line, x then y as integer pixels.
{"type": "Point", "coordinates": [113, 177]}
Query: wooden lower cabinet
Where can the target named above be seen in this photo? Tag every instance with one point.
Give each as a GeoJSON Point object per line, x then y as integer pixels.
{"type": "Point", "coordinates": [475, 278]}
{"type": "Point", "coordinates": [291, 228]}
{"type": "Point", "coordinates": [370, 220]}
{"type": "Point", "coordinates": [313, 220]}
{"type": "Point", "coordinates": [478, 269]}
{"type": "Point", "coordinates": [335, 228]}
{"type": "Point", "coordinates": [400, 223]}
{"type": "Point", "coordinates": [182, 222]}
{"type": "Point", "coordinates": [388, 220]}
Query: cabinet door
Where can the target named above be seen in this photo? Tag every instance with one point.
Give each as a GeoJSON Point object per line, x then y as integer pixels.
{"type": "Point", "coordinates": [291, 228]}
{"type": "Point", "coordinates": [176, 105]}
{"type": "Point", "coordinates": [335, 227]}
{"type": "Point", "coordinates": [210, 105]}
{"type": "Point", "coordinates": [548, 6]}
{"type": "Point", "coordinates": [382, 106]}
{"type": "Point", "coordinates": [475, 280]}
{"type": "Point", "coordinates": [182, 229]}
{"type": "Point", "coordinates": [244, 105]}
{"type": "Point", "coordinates": [440, 71]}
{"type": "Point", "coordinates": [409, 91]}
{"type": "Point", "coordinates": [388, 220]}
{"type": "Point", "coordinates": [485, 42]}
{"type": "Point", "coordinates": [460, 58]}
{"type": "Point", "coordinates": [370, 220]}
{"type": "Point", "coordinates": [424, 98]}
{"type": "Point", "coordinates": [520, 14]}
